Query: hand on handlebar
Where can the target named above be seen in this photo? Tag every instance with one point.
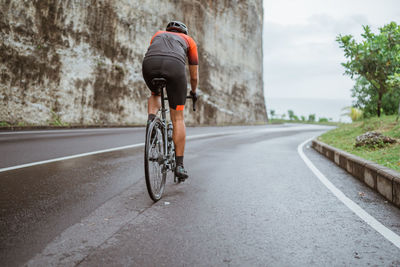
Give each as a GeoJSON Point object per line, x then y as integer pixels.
{"type": "Point", "coordinates": [193, 95]}
{"type": "Point", "coordinates": [194, 98]}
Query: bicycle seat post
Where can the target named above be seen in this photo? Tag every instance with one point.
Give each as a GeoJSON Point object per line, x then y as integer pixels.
{"type": "Point", "coordinates": [163, 110]}
{"type": "Point", "coordinates": [161, 83]}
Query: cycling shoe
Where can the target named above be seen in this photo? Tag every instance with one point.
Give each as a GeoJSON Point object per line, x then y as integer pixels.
{"type": "Point", "coordinates": [181, 173]}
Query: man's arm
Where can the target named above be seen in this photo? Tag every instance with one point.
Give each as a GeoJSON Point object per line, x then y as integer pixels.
{"type": "Point", "coordinates": [194, 76]}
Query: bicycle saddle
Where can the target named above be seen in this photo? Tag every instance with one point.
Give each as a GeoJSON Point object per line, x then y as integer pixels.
{"type": "Point", "coordinates": [160, 83]}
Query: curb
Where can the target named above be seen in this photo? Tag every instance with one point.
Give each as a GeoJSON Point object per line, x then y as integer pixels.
{"type": "Point", "coordinates": [381, 179]}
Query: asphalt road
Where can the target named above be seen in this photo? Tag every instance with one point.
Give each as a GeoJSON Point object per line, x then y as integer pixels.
{"type": "Point", "coordinates": [250, 201]}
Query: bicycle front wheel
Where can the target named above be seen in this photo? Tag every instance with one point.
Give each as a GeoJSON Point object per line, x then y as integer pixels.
{"type": "Point", "coordinates": [154, 160]}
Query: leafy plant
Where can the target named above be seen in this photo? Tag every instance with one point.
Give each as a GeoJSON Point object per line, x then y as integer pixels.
{"type": "Point", "coordinates": [272, 112]}
{"type": "Point", "coordinates": [355, 114]}
{"type": "Point", "coordinates": [56, 120]}
{"type": "Point", "coordinates": [291, 115]}
{"type": "Point", "coordinates": [394, 82]}
{"type": "Point", "coordinates": [376, 58]}
{"type": "Point", "coordinates": [366, 98]}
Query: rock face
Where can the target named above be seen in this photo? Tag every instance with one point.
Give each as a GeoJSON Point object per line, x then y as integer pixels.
{"type": "Point", "coordinates": [79, 62]}
{"type": "Point", "coordinates": [373, 139]}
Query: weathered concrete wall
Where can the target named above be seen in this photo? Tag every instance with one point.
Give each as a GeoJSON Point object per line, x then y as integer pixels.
{"type": "Point", "coordinates": [80, 61]}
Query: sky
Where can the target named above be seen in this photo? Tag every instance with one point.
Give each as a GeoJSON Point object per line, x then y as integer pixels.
{"type": "Point", "coordinates": [301, 57]}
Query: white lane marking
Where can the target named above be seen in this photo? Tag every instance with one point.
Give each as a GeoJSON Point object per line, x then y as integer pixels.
{"type": "Point", "coordinates": [70, 157]}
{"type": "Point", "coordinates": [295, 128]}
{"type": "Point", "coordinates": [103, 151]}
{"type": "Point", "coordinates": [366, 217]}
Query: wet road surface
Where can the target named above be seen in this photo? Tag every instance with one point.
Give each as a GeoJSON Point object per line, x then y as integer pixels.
{"type": "Point", "coordinates": [250, 201]}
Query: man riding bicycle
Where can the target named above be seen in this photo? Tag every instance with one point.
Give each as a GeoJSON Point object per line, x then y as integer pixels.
{"type": "Point", "coordinates": [166, 58]}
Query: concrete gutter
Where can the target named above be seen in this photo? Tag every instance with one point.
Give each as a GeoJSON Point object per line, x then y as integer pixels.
{"type": "Point", "coordinates": [383, 180]}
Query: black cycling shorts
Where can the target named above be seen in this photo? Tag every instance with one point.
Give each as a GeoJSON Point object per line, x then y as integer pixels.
{"type": "Point", "coordinates": [171, 69]}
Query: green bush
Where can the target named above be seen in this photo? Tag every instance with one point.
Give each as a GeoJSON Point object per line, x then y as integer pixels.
{"type": "Point", "coordinates": [355, 114]}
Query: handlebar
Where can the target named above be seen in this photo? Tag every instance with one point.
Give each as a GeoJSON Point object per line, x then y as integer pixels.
{"type": "Point", "coordinates": [194, 100]}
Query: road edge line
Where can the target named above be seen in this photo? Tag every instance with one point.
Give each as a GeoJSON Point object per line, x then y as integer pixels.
{"type": "Point", "coordinates": [360, 212]}
{"type": "Point", "coordinates": [381, 179]}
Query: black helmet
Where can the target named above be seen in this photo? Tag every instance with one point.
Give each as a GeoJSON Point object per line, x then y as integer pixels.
{"type": "Point", "coordinates": [177, 26]}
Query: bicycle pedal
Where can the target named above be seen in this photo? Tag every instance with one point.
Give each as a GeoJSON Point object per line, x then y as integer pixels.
{"type": "Point", "coordinates": [181, 180]}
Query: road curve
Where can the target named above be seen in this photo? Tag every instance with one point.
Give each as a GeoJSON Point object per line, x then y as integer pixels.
{"type": "Point", "coordinates": [250, 200]}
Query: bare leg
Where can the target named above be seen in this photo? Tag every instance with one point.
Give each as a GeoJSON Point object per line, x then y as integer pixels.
{"type": "Point", "coordinates": [154, 104]}
{"type": "Point", "coordinates": [179, 134]}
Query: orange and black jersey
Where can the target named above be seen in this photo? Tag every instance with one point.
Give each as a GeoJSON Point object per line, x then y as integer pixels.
{"type": "Point", "coordinates": [173, 44]}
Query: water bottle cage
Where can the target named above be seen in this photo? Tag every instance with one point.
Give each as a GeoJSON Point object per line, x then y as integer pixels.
{"type": "Point", "coordinates": [169, 131]}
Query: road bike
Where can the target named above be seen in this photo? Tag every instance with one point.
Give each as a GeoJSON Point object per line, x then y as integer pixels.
{"type": "Point", "coordinates": [159, 151]}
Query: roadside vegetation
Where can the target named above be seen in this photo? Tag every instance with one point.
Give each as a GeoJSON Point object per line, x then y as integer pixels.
{"type": "Point", "coordinates": [344, 137]}
{"type": "Point", "coordinates": [291, 117]}
{"type": "Point", "coordinates": [374, 65]}
{"type": "Point", "coordinates": [54, 122]}
{"type": "Point", "coordinates": [4, 124]}
{"type": "Point", "coordinates": [280, 121]}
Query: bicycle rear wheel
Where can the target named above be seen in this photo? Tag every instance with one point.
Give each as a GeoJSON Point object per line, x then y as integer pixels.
{"type": "Point", "coordinates": [154, 163]}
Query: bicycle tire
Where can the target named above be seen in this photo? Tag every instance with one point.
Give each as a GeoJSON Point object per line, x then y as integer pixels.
{"type": "Point", "coordinates": [155, 171]}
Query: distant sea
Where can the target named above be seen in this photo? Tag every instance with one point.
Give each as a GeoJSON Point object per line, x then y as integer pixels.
{"type": "Point", "coordinates": [322, 108]}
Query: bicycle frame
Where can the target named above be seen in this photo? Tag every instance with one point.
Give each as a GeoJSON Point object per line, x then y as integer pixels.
{"type": "Point", "coordinates": [165, 158]}
{"type": "Point", "coordinates": [164, 121]}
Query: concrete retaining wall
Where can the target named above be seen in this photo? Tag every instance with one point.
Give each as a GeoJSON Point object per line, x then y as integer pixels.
{"type": "Point", "coordinates": [80, 62]}
{"type": "Point", "coordinates": [383, 180]}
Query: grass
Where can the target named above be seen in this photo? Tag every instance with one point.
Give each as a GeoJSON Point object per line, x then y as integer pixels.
{"type": "Point", "coordinates": [56, 120]}
{"type": "Point", "coordinates": [344, 136]}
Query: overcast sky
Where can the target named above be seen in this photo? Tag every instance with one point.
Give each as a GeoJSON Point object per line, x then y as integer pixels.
{"type": "Point", "coordinates": [301, 56]}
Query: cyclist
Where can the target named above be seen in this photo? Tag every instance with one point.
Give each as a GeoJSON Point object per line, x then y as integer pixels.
{"type": "Point", "coordinates": [166, 58]}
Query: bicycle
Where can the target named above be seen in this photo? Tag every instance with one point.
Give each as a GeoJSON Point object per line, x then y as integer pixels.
{"type": "Point", "coordinates": [159, 151]}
